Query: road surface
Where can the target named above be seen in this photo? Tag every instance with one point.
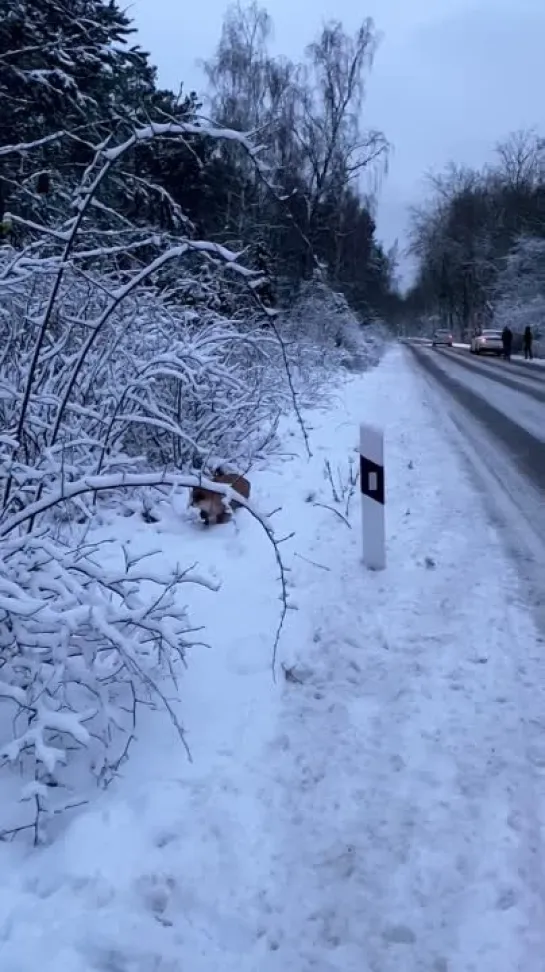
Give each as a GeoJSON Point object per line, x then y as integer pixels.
{"type": "Point", "coordinates": [495, 412]}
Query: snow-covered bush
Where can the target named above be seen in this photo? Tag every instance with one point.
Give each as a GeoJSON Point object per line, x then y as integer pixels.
{"type": "Point", "coordinates": [108, 372]}
{"type": "Point", "coordinates": [157, 385]}
{"type": "Point", "coordinates": [82, 644]}
{"type": "Point", "coordinates": [326, 331]}
{"type": "Point", "coordinates": [520, 287]}
{"type": "Point", "coordinates": [105, 376]}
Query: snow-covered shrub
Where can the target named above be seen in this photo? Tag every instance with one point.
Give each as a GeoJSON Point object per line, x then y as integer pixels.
{"type": "Point", "coordinates": [83, 643]}
{"type": "Point", "coordinates": [520, 288]}
{"type": "Point", "coordinates": [327, 331]}
{"type": "Point", "coordinates": [159, 385]}
{"type": "Point", "coordinates": [161, 388]}
{"type": "Point", "coordinates": [107, 382]}
{"type": "Point", "coordinates": [111, 379]}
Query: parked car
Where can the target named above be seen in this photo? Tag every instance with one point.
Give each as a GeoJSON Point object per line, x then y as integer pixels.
{"type": "Point", "coordinates": [487, 341]}
{"type": "Point", "coordinates": [442, 337]}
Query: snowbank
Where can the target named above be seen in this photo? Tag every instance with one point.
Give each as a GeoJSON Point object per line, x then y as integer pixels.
{"type": "Point", "coordinates": [377, 808]}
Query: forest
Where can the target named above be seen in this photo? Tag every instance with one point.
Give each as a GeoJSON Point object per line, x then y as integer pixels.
{"type": "Point", "coordinates": [293, 202]}
{"type": "Point", "coordinates": [479, 241]}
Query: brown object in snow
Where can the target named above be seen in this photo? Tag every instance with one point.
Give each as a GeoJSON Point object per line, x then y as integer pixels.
{"type": "Point", "coordinates": [212, 505]}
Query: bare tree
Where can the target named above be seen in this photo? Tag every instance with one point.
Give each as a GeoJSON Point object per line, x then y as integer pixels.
{"type": "Point", "coordinates": [252, 91]}
{"type": "Point", "coordinates": [332, 96]}
{"type": "Point", "coordinates": [521, 159]}
{"type": "Point", "coordinates": [308, 117]}
{"type": "Point", "coordinates": [237, 74]}
{"type": "Point", "coordinates": [335, 148]}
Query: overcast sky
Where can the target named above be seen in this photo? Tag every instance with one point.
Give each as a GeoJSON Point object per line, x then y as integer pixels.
{"type": "Point", "coordinates": [451, 77]}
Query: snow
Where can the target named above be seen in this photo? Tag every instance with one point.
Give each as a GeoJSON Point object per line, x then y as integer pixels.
{"type": "Point", "coordinates": [148, 132]}
{"type": "Point", "coordinates": [540, 362]}
{"type": "Point", "coordinates": [380, 806]}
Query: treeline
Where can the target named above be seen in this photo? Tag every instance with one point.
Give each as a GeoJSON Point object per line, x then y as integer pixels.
{"type": "Point", "coordinates": [71, 78]}
{"type": "Point", "coordinates": [480, 243]}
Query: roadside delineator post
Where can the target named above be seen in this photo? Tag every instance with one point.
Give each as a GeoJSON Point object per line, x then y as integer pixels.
{"type": "Point", "coordinates": [373, 496]}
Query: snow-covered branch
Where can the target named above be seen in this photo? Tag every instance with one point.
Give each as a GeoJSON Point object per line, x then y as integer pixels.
{"type": "Point", "coordinates": [79, 640]}
{"type": "Point", "coordinates": [110, 384]}
{"type": "Point", "coordinates": [155, 130]}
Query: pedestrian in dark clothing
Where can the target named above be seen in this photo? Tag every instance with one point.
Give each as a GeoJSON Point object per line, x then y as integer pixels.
{"type": "Point", "coordinates": [507, 341]}
{"type": "Point", "coordinates": [527, 342]}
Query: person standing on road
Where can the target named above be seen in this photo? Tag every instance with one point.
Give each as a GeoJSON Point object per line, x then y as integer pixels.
{"type": "Point", "coordinates": [527, 342]}
{"type": "Point", "coordinates": [507, 341]}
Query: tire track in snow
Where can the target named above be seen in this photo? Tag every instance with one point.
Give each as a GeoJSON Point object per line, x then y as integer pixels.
{"type": "Point", "coordinates": [527, 450]}
{"type": "Point", "coordinates": [527, 384]}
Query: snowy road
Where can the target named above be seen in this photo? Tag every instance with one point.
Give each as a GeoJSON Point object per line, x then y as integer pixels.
{"type": "Point", "coordinates": [527, 377]}
{"type": "Point", "coordinates": [497, 410]}
{"type": "Point", "coordinates": [508, 400]}
{"type": "Point", "coordinates": [512, 373]}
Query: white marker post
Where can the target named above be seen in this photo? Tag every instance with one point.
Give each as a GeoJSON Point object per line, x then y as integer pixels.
{"type": "Point", "coordinates": [372, 496]}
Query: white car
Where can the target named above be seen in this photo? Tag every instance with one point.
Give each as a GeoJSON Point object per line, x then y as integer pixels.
{"type": "Point", "coordinates": [487, 341]}
{"type": "Point", "coordinates": [442, 337]}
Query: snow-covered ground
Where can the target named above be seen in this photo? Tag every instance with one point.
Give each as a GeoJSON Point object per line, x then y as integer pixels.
{"type": "Point", "coordinates": [379, 808]}
{"type": "Point", "coordinates": [536, 361]}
